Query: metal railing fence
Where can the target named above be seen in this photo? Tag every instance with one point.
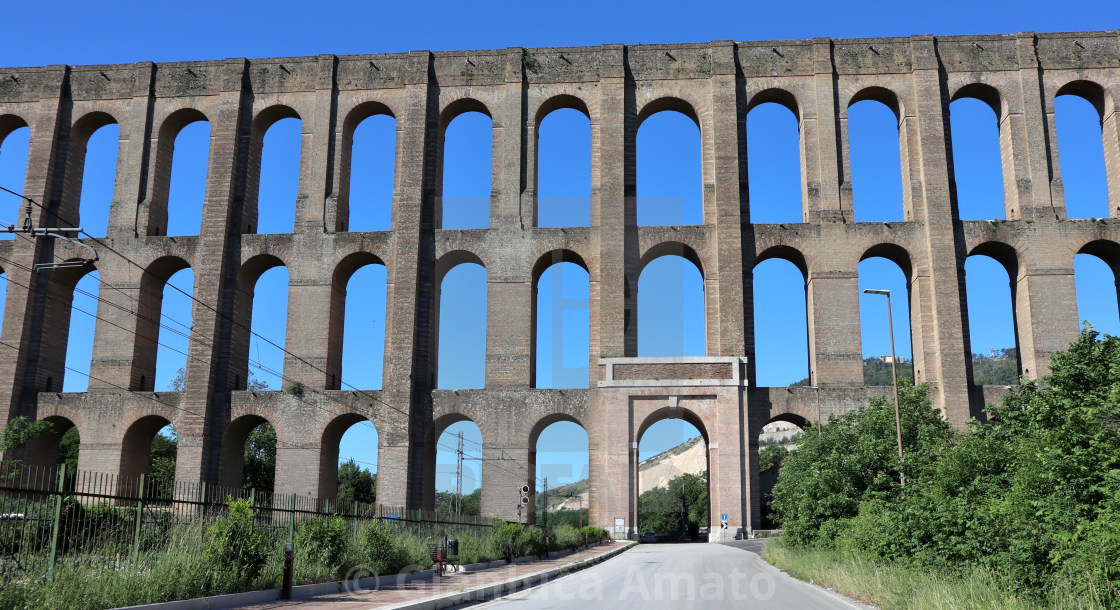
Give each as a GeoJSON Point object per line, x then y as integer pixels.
{"type": "Point", "coordinates": [49, 515]}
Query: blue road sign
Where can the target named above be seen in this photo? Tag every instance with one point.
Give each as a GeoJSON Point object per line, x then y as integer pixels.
{"type": "Point", "coordinates": [723, 517]}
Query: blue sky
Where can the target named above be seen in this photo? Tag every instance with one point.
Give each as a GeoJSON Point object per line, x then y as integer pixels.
{"type": "Point", "coordinates": [668, 164]}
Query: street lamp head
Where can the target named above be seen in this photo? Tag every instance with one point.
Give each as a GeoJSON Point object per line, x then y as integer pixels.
{"type": "Point", "coordinates": [871, 291]}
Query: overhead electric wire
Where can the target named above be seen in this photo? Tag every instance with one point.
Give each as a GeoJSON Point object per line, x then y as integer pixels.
{"type": "Point", "coordinates": [190, 337]}
{"type": "Point", "coordinates": [206, 305]}
{"type": "Point", "coordinates": [147, 396]}
{"type": "Point", "coordinates": [97, 317]}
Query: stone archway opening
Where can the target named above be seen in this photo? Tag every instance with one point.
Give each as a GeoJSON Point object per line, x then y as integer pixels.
{"type": "Point", "coordinates": [348, 460]}
{"type": "Point", "coordinates": [776, 440]}
{"type": "Point", "coordinates": [54, 448]}
{"type": "Point", "coordinates": [455, 484]}
{"type": "Point", "coordinates": [558, 465]}
{"type": "Point", "coordinates": [673, 483]}
{"type": "Point", "coordinates": [249, 455]}
{"type": "Point", "coordinates": [149, 448]}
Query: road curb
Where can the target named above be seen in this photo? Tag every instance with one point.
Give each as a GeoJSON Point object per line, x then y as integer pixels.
{"type": "Point", "coordinates": [263, 596]}
{"type": "Point", "coordinates": [505, 587]}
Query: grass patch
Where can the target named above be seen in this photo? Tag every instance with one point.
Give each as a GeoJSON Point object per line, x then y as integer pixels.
{"type": "Point", "coordinates": [892, 585]}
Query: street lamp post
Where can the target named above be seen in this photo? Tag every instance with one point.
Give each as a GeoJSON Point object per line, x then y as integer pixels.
{"type": "Point", "coordinates": [894, 374]}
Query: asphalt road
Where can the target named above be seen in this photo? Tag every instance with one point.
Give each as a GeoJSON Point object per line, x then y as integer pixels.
{"type": "Point", "coordinates": [677, 576]}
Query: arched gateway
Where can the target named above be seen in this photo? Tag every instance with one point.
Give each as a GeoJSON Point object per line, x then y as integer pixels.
{"type": "Point", "coordinates": [636, 393]}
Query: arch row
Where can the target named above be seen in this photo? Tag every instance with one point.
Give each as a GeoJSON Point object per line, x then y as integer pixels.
{"type": "Point", "coordinates": [1035, 266]}
{"type": "Point", "coordinates": [307, 439]}
{"type": "Point", "coordinates": [171, 116]}
{"type": "Point", "coordinates": [1014, 253]}
{"type": "Point", "coordinates": [361, 87]}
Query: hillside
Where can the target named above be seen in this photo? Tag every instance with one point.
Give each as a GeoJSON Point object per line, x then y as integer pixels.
{"type": "Point", "coordinates": [656, 471]}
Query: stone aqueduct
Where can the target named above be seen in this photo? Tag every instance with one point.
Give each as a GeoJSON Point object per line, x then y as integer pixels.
{"type": "Point", "coordinates": [617, 86]}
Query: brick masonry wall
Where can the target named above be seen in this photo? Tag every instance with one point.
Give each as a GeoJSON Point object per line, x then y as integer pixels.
{"type": "Point", "coordinates": [688, 370]}
{"type": "Point", "coordinates": [617, 86]}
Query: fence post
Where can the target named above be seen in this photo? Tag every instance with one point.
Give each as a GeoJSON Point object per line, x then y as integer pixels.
{"type": "Point", "coordinates": [252, 497]}
{"type": "Point", "coordinates": [202, 501]}
{"type": "Point", "coordinates": [139, 520]}
{"type": "Point", "coordinates": [57, 525]}
{"type": "Point", "coordinates": [292, 520]}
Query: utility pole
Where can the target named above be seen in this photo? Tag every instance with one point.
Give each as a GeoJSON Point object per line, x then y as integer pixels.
{"type": "Point", "coordinates": [459, 480]}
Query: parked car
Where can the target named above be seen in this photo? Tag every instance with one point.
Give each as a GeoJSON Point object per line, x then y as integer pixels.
{"type": "Point", "coordinates": [648, 537]}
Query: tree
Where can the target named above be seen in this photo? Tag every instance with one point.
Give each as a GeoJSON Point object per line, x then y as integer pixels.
{"type": "Point", "coordinates": [176, 384]}
{"type": "Point", "coordinates": [1001, 369]}
{"type": "Point", "coordinates": [771, 457]}
{"type": "Point", "coordinates": [1033, 495]}
{"type": "Point", "coordinates": [20, 430]}
{"type": "Point", "coordinates": [164, 452]}
{"type": "Point", "coordinates": [576, 517]}
{"type": "Point", "coordinates": [259, 470]}
{"type": "Point", "coordinates": [16, 434]}
{"type": "Point", "coordinates": [855, 457]}
{"type": "Point", "coordinates": [680, 507]}
{"type": "Point", "coordinates": [68, 447]}
{"type": "Point", "coordinates": [256, 383]}
{"type": "Point", "coordinates": [356, 484]}
{"type": "Point", "coordinates": [472, 503]}
{"type": "Point", "coordinates": [877, 372]}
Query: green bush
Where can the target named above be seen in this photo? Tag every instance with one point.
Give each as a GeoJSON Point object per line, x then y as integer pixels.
{"type": "Point", "coordinates": [595, 533]}
{"type": "Point", "coordinates": [156, 531]}
{"type": "Point", "coordinates": [679, 508]}
{"type": "Point", "coordinates": [771, 457]}
{"type": "Point", "coordinates": [504, 535]}
{"type": "Point", "coordinates": [236, 548]}
{"type": "Point", "coordinates": [1033, 496]}
{"type": "Point", "coordinates": [474, 548]}
{"type": "Point", "coordinates": [566, 537]}
{"type": "Point", "coordinates": [529, 542]}
{"type": "Point", "coordinates": [323, 541]}
{"type": "Point", "coordinates": [855, 457]}
{"type": "Point", "coordinates": [390, 551]}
